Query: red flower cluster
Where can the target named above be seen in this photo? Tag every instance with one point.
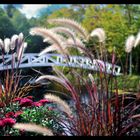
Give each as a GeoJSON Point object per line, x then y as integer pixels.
{"type": "Point", "coordinates": [30, 97]}
{"type": "Point", "coordinates": [1, 124]}
{"type": "Point", "coordinates": [9, 114]}
{"type": "Point", "coordinates": [18, 113]}
{"type": "Point", "coordinates": [17, 99]}
{"type": "Point", "coordinates": [37, 104]}
{"type": "Point", "coordinates": [27, 101]}
{"type": "Point", "coordinates": [7, 121]}
{"type": "Point", "coordinates": [24, 102]}
{"type": "Point", "coordinates": [12, 114]}
{"type": "Point", "coordinates": [10, 117]}
{"type": "Point", "coordinates": [44, 101]}
{"type": "Point", "coordinates": [41, 102]}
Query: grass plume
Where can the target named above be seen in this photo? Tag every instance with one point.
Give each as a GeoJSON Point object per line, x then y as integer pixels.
{"type": "Point", "coordinates": [70, 24]}
{"type": "Point", "coordinates": [34, 128]}
{"type": "Point", "coordinates": [65, 107]}
{"type": "Point", "coordinates": [52, 37]}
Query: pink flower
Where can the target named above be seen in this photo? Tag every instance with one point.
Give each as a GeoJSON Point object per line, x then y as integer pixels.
{"type": "Point", "coordinates": [18, 113]}
{"type": "Point", "coordinates": [44, 101]}
{"type": "Point", "coordinates": [29, 97]}
{"type": "Point", "coordinates": [37, 104]}
{"type": "Point", "coordinates": [9, 121]}
{"type": "Point", "coordinates": [17, 99]}
{"type": "Point", "coordinates": [9, 114]}
{"type": "Point", "coordinates": [24, 102]}
{"type": "Point", "coordinates": [2, 124]}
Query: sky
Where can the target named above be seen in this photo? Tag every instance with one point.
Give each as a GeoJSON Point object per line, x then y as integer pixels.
{"type": "Point", "coordinates": [30, 10]}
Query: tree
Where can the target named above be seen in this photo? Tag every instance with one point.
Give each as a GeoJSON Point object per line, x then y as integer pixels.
{"type": "Point", "coordinates": [20, 22]}
{"type": "Point", "coordinates": [2, 12]}
{"type": "Point", "coordinates": [7, 29]}
{"type": "Point", "coordinates": [132, 16]}
{"type": "Point", "coordinates": [9, 10]}
{"type": "Point", "coordinates": [112, 20]}
{"type": "Point", "coordinates": [64, 12]}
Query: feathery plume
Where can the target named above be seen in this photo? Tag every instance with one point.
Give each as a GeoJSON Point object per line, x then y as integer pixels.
{"type": "Point", "coordinates": [90, 77]}
{"type": "Point", "coordinates": [51, 36]}
{"type": "Point", "coordinates": [52, 78]}
{"type": "Point", "coordinates": [1, 44]}
{"type": "Point", "coordinates": [69, 43]}
{"type": "Point", "coordinates": [34, 128]}
{"type": "Point", "coordinates": [64, 30]}
{"type": "Point", "coordinates": [7, 45]}
{"type": "Point", "coordinates": [14, 39]}
{"type": "Point", "coordinates": [135, 116]}
{"type": "Point", "coordinates": [49, 49]}
{"type": "Point", "coordinates": [65, 107]}
{"type": "Point", "coordinates": [129, 43]}
{"type": "Point", "coordinates": [99, 32]}
{"type": "Point", "coordinates": [62, 39]}
{"type": "Point", "coordinates": [70, 24]}
{"type": "Point", "coordinates": [21, 50]}
{"type": "Point", "coordinates": [93, 82]}
{"type": "Point", "coordinates": [20, 39]}
{"type": "Point", "coordinates": [77, 44]}
{"type": "Point", "coordinates": [137, 41]}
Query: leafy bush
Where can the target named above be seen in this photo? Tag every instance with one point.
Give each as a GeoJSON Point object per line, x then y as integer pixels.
{"type": "Point", "coordinates": [24, 110]}
{"type": "Point", "coordinates": [129, 83]}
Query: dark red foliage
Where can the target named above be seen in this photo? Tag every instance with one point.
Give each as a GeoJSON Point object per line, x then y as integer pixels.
{"type": "Point", "coordinates": [1, 105]}
{"type": "Point", "coordinates": [9, 114]}
{"type": "Point", "coordinates": [24, 102]}
{"type": "Point", "coordinates": [21, 131]}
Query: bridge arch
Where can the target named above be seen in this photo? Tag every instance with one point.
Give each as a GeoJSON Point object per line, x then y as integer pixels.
{"type": "Point", "coordinates": [34, 60]}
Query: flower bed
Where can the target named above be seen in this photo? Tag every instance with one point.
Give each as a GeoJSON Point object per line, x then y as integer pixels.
{"type": "Point", "coordinates": [25, 110]}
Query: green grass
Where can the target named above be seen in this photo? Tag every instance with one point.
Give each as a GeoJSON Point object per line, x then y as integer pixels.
{"type": "Point", "coordinates": [129, 83]}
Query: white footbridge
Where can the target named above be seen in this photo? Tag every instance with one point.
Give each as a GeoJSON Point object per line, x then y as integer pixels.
{"type": "Point", "coordinates": [34, 60]}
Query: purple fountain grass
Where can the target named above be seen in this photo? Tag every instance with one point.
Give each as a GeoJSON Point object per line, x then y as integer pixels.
{"type": "Point", "coordinates": [10, 79]}
{"type": "Point", "coordinates": [104, 114]}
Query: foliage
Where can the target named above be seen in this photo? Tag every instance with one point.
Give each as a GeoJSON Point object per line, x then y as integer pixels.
{"type": "Point", "coordinates": [118, 21]}
{"type": "Point", "coordinates": [129, 83]}
{"type": "Point", "coordinates": [6, 27]}
{"type": "Point", "coordinates": [41, 115]}
{"type": "Point", "coordinates": [69, 13]}
{"type": "Point", "coordinates": [37, 112]}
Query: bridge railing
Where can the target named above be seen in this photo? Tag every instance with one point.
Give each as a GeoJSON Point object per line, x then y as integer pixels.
{"type": "Point", "coordinates": [33, 60]}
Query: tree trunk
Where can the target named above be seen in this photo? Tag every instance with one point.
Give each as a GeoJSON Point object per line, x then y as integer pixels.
{"type": "Point", "coordinates": [130, 63]}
